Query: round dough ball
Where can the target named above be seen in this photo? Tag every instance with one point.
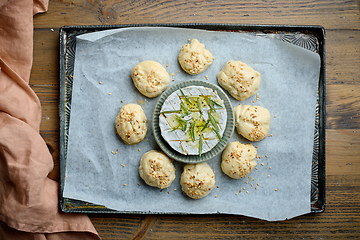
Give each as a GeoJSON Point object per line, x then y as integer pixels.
{"type": "Point", "coordinates": [197, 180]}
{"type": "Point", "coordinates": [194, 58]}
{"type": "Point", "coordinates": [131, 124]}
{"type": "Point", "coordinates": [157, 169]}
{"type": "Point", "coordinates": [238, 159]}
{"type": "Point", "coordinates": [252, 122]}
{"type": "Point", "coordinates": [150, 78]}
{"type": "Point", "coordinates": [240, 80]}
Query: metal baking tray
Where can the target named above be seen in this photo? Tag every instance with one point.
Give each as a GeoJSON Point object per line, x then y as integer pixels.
{"type": "Point", "coordinates": [308, 37]}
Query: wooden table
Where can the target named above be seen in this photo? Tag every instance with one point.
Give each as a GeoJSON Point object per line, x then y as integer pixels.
{"type": "Point", "coordinates": [341, 20]}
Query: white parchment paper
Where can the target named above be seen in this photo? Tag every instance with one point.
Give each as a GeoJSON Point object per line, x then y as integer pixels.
{"type": "Point", "coordinates": [101, 169]}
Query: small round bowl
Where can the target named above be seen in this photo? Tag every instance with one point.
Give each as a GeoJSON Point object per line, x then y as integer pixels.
{"type": "Point", "coordinates": [230, 124]}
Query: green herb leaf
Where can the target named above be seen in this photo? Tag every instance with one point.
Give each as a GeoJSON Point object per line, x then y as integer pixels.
{"type": "Point", "coordinates": [170, 111]}
{"type": "Point", "coordinates": [186, 98]}
{"type": "Point", "coordinates": [184, 126]}
{"type": "Point", "coordinates": [181, 122]}
{"type": "Point", "coordinates": [183, 115]}
{"type": "Point", "coordinates": [215, 103]}
{"type": "Point", "coordinates": [184, 108]}
{"type": "Point", "coordinates": [192, 132]}
{"type": "Point", "coordinates": [206, 124]}
{"type": "Point", "coordinates": [213, 121]}
{"type": "Point", "coordinates": [217, 134]}
{"type": "Point", "coordinates": [175, 128]}
{"type": "Point", "coordinates": [211, 105]}
{"type": "Point", "coordinates": [199, 104]}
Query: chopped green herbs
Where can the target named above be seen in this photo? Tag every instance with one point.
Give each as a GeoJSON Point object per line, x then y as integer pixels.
{"type": "Point", "coordinates": [217, 104]}
{"type": "Point", "coordinates": [184, 108]}
{"type": "Point", "coordinates": [192, 131]}
{"type": "Point", "coordinates": [176, 128]}
{"type": "Point", "coordinates": [182, 122]}
{"type": "Point", "coordinates": [190, 117]}
{"type": "Point", "coordinates": [217, 134]}
{"type": "Point", "coordinates": [206, 124]}
{"type": "Point", "coordinates": [170, 111]}
{"type": "Point", "coordinates": [213, 121]}
{"type": "Point", "coordinates": [199, 104]}
{"type": "Point", "coordinates": [211, 105]}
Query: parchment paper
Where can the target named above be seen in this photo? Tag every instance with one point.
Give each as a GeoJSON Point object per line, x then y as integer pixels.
{"type": "Point", "coordinates": [101, 169]}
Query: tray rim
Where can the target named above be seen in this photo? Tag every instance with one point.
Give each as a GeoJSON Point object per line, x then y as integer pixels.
{"type": "Point", "coordinates": [69, 205]}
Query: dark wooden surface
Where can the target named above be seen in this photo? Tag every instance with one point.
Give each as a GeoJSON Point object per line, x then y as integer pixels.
{"type": "Point", "coordinates": [341, 20]}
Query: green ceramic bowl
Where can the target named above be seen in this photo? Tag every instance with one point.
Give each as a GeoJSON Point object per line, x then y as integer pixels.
{"type": "Point", "coordinates": [230, 123]}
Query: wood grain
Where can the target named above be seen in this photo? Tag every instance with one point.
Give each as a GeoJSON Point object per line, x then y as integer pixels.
{"type": "Point", "coordinates": [331, 14]}
{"type": "Point", "coordinates": [343, 101]}
{"type": "Point", "coordinates": [341, 20]}
{"type": "Point", "coordinates": [341, 157]}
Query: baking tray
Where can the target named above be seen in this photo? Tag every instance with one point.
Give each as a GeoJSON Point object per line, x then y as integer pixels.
{"type": "Point", "coordinates": [308, 37]}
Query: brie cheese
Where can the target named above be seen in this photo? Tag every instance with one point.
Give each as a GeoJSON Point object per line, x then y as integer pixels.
{"type": "Point", "coordinates": [192, 120]}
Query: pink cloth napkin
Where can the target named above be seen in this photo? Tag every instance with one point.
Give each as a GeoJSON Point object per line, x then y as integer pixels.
{"type": "Point", "coordinates": [28, 198]}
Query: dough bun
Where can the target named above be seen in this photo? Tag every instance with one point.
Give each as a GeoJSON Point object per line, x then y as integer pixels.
{"type": "Point", "coordinates": [150, 78]}
{"type": "Point", "coordinates": [131, 124]}
{"type": "Point", "coordinates": [197, 180]}
{"type": "Point", "coordinates": [194, 58]}
{"type": "Point", "coordinates": [238, 159]}
{"type": "Point", "coordinates": [240, 80]}
{"type": "Point", "coordinates": [157, 169]}
{"type": "Point", "coordinates": [252, 122]}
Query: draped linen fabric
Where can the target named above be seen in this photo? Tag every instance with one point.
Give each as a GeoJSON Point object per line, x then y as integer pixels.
{"type": "Point", "coordinates": [28, 198]}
